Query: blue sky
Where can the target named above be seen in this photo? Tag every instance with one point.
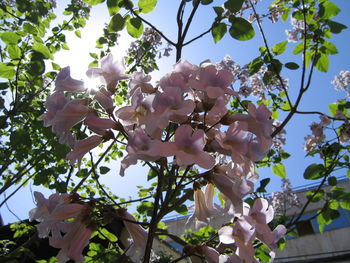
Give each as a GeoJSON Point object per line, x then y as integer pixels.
{"type": "Point", "coordinates": [320, 95]}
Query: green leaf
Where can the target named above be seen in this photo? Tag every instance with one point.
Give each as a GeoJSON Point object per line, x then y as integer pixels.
{"type": "Point", "coordinates": [298, 48]}
{"type": "Point", "coordinates": [291, 65]}
{"type": "Point", "coordinates": [218, 10]}
{"type": "Point", "coordinates": [241, 29]}
{"type": "Point", "coordinates": [111, 237]}
{"type": "Point", "coordinates": [279, 170]}
{"type": "Point", "coordinates": [77, 33]}
{"type": "Point", "coordinates": [151, 174]}
{"type": "Point", "coordinates": [314, 172]}
{"type": "Point", "coordinates": [117, 23]}
{"type": "Point", "coordinates": [104, 169]}
{"type": "Point", "coordinates": [14, 51]}
{"type": "Point", "coordinates": [345, 205]}
{"type": "Point", "coordinates": [322, 63]}
{"type": "Point", "coordinates": [234, 5]}
{"type": "Point", "coordinates": [93, 2]}
{"type": "Point", "coordinates": [316, 197]}
{"type": "Point", "coordinates": [328, 9]}
{"type": "Point", "coordinates": [134, 26]}
{"type": "Point", "coordinates": [65, 46]}
{"type": "Point", "coordinates": [55, 66]}
{"type": "Point", "coordinates": [286, 106]}
{"type": "Point", "coordinates": [255, 65]}
{"type": "Point", "coordinates": [37, 64]}
{"type": "Point", "coordinates": [6, 71]}
{"type": "Point", "coordinates": [42, 49]}
{"type": "Point", "coordinates": [333, 108]}
{"type": "Point", "coordinates": [206, 2]}
{"type": "Point", "coordinates": [113, 7]}
{"type": "Point", "coordinates": [147, 6]}
{"type": "Point", "coordinates": [279, 48]}
{"type": "Point", "coordinates": [331, 49]}
{"type": "Point", "coordinates": [182, 210]}
{"type": "Point", "coordinates": [218, 31]}
{"type": "Point", "coordinates": [335, 27]}
{"type": "Point", "coordinates": [332, 180]}
{"type": "Point", "coordinates": [263, 184]}
{"type": "Point", "coordinates": [30, 29]}
{"type": "Point", "coordinates": [10, 37]}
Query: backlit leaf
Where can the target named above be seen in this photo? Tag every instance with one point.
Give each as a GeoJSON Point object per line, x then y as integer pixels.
{"type": "Point", "coordinates": [241, 29]}
{"type": "Point", "coordinates": [147, 6]}
{"type": "Point", "coordinates": [218, 31]}
{"type": "Point", "coordinates": [314, 172]}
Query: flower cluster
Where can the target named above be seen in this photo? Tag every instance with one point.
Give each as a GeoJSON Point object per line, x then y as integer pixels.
{"type": "Point", "coordinates": [342, 82]}
{"type": "Point", "coordinates": [239, 236]}
{"type": "Point", "coordinates": [184, 121]}
{"type": "Point", "coordinates": [294, 35]}
{"type": "Point", "coordinates": [149, 43]}
{"type": "Point", "coordinates": [55, 215]}
{"type": "Point", "coordinates": [283, 200]}
{"type": "Point", "coordinates": [251, 84]}
{"type": "Point", "coordinates": [317, 137]}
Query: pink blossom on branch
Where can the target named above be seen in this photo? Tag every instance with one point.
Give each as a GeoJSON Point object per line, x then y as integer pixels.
{"type": "Point", "coordinates": [82, 147]}
{"type": "Point", "coordinates": [142, 147]}
{"type": "Point", "coordinates": [64, 82]}
{"type": "Point", "coordinates": [110, 72]}
{"type": "Point", "coordinates": [188, 148]}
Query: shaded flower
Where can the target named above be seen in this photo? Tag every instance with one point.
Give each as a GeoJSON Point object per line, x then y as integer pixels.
{"type": "Point", "coordinates": [110, 72]}
{"type": "Point", "coordinates": [82, 147]}
{"type": "Point", "coordinates": [188, 148]}
{"type": "Point", "coordinates": [64, 82]}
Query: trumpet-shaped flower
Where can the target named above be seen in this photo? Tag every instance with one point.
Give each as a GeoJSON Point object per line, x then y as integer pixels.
{"type": "Point", "coordinates": [82, 147]}
{"type": "Point", "coordinates": [213, 82]}
{"type": "Point", "coordinates": [142, 147]}
{"type": "Point", "coordinates": [72, 113]}
{"type": "Point", "coordinates": [233, 189]}
{"type": "Point", "coordinates": [110, 72]}
{"type": "Point", "coordinates": [203, 205]}
{"type": "Point", "coordinates": [137, 234]}
{"type": "Point", "coordinates": [259, 123]}
{"type": "Point", "coordinates": [188, 148]}
{"type": "Point", "coordinates": [104, 98]}
{"type": "Point", "coordinates": [64, 82]}
{"type": "Point", "coordinates": [139, 80]}
{"type": "Point", "coordinates": [97, 124]}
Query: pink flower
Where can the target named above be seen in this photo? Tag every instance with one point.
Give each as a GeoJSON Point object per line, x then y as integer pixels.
{"type": "Point", "coordinates": [110, 72]}
{"type": "Point", "coordinates": [51, 214]}
{"type": "Point", "coordinates": [138, 236]}
{"type": "Point", "coordinates": [104, 98]}
{"type": "Point", "coordinates": [213, 82]}
{"type": "Point", "coordinates": [55, 102]}
{"type": "Point", "coordinates": [97, 124]}
{"type": "Point", "coordinates": [188, 148]}
{"type": "Point", "coordinates": [72, 113]}
{"type": "Point", "coordinates": [138, 112]}
{"type": "Point", "coordinates": [142, 147]}
{"type": "Point", "coordinates": [210, 254]}
{"type": "Point", "coordinates": [203, 205]}
{"type": "Point", "coordinates": [169, 105]}
{"type": "Point", "coordinates": [139, 80]}
{"type": "Point", "coordinates": [259, 123]}
{"type": "Point", "coordinates": [64, 82]}
{"type": "Point", "coordinates": [76, 238]}
{"type": "Point", "coordinates": [233, 189]}
{"type": "Point", "coordinates": [242, 234]}
{"type": "Point", "coordinates": [82, 147]}
{"type": "Point", "coordinates": [262, 213]}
